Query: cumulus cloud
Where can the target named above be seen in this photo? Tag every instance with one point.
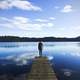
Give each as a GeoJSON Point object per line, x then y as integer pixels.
{"type": "Point", "coordinates": [20, 4]}
{"type": "Point", "coordinates": [52, 18]}
{"type": "Point", "coordinates": [21, 19]}
{"type": "Point", "coordinates": [23, 23]}
{"type": "Point", "coordinates": [46, 20]}
{"type": "Point", "coordinates": [50, 24]}
{"type": "Point", "coordinates": [67, 9]}
{"type": "Point", "coordinates": [35, 28]}
{"type": "Point", "coordinates": [41, 20]}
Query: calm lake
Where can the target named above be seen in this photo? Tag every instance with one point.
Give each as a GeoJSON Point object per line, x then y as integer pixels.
{"type": "Point", "coordinates": [16, 58]}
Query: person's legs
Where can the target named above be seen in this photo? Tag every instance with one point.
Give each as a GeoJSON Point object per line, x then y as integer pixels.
{"type": "Point", "coordinates": [40, 52]}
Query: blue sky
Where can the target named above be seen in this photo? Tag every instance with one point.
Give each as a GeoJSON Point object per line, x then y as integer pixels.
{"type": "Point", "coordinates": [40, 18]}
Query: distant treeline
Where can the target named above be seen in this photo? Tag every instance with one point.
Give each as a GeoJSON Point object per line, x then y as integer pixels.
{"type": "Point", "coordinates": [27, 39]}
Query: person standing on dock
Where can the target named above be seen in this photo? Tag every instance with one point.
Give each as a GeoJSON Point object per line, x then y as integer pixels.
{"type": "Point", "coordinates": [40, 47]}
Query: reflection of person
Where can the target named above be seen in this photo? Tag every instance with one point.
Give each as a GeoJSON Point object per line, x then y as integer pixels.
{"type": "Point", "coordinates": [40, 47]}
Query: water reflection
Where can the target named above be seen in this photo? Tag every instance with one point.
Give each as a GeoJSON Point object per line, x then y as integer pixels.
{"type": "Point", "coordinates": [64, 58]}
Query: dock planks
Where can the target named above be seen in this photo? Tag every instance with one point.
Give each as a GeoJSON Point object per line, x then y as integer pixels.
{"type": "Point", "coordinates": [41, 70]}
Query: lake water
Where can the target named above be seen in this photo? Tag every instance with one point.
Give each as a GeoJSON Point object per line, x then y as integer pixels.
{"type": "Point", "coordinates": [16, 58]}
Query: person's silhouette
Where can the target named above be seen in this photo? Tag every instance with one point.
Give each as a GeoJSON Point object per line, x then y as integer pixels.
{"type": "Point", "coordinates": [40, 47]}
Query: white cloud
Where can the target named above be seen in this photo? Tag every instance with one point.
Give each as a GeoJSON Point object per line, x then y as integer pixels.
{"type": "Point", "coordinates": [20, 4]}
{"type": "Point", "coordinates": [46, 20]}
{"type": "Point", "coordinates": [52, 18]}
{"type": "Point", "coordinates": [32, 28]}
{"type": "Point", "coordinates": [21, 19]}
{"type": "Point", "coordinates": [50, 24]}
{"type": "Point", "coordinates": [41, 20]}
{"type": "Point", "coordinates": [23, 23]}
{"type": "Point", "coordinates": [67, 9]}
{"type": "Point", "coordinates": [73, 31]}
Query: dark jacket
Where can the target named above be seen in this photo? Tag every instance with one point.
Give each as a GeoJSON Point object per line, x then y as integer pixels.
{"type": "Point", "coordinates": [40, 45]}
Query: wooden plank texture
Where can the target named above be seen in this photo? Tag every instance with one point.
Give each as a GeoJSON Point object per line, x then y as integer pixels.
{"type": "Point", "coordinates": [41, 70]}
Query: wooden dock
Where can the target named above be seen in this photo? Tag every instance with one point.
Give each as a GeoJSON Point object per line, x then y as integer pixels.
{"type": "Point", "coordinates": [41, 70]}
